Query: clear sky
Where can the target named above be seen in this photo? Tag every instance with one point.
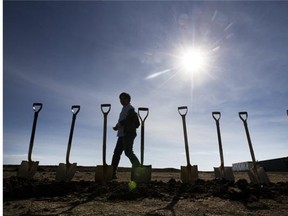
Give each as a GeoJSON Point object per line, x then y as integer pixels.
{"type": "Point", "coordinates": [62, 53]}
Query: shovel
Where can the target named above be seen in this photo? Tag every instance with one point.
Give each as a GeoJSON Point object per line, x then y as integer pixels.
{"type": "Point", "coordinates": [256, 174]}
{"type": "Point", "coordinates": [28, 168]}
{"type": "Point", "coordinates": [65, 172]}
{"type": "Point", "coordinates": [104, 172]}
{"type": "Point", "coordinates": [222, 172]}
{"type": "Point", "coordinates": [142, 173]}
{"type": "Point", "coordinates": [188, 173]}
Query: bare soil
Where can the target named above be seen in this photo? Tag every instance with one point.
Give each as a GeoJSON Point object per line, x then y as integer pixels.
{"type": "Point", "coordinates": [164, 195]}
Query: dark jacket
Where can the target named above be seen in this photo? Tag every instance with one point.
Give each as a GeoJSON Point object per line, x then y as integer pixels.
{"type": "Point", "coordinates": [131, 122]}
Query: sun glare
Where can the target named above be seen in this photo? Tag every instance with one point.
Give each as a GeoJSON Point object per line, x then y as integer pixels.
{"type": "Point", "coordinates": [187, 62]}
{"type": "Point", "coordinates": [193, 60]}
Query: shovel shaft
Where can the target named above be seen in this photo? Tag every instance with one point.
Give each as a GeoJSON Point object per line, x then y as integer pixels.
{"type": "Point", "coordinates": [104, 139]}
{"type": "Point", "coordinates": [142, 143]}
{"type": "Point", "coordinates": [36, 111]}
{"type": "Point", "coordinates": [250, 144]}
{"type": "Point", "coordinates": [244, 119]}
{"type": "Point", "coordinates": [219, 137]}
{"type": "Point", "coordinates": [75, 110]}
{"type": "Point", "coordinates": [220, 145]}
{"type": "Point", "coordinates": [32, 136]}
{"type": "Point", "coordinates": [70, 140]}
{"type": "Point", "coordinates": [142, 130]}
{"type": "Point", "coordinates": [186, 141]}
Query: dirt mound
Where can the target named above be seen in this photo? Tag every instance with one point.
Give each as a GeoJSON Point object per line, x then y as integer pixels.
{"type": "Point", "coordinates": [15, 188]}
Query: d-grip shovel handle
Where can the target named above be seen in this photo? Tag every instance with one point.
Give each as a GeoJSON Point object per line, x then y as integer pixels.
{"type": "Point", "coordinates": [75, 110]}
{"type": "Point", "coordinates": [181, 108]}
{"type": "Point", "coordinates": [216, 115]}
{"type": "Point", "coordinates": [243, 116]}
{"type": "Point", "coordinates": [105, 106]}
{"type": "Point", "coordinates": [37, 108]}
{"type": "Point", "coordinates": [143, 109]}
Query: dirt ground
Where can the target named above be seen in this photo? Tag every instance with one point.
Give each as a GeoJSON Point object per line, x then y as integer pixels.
{"type": "Point", "coordinates": [164, 195]}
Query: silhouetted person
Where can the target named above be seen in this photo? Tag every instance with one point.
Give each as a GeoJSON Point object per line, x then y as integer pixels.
{"type": "Point", "coordinates": [127, 124]}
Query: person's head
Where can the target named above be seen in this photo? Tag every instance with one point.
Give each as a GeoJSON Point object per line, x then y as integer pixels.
{"type": "Point", "coordinates": [125, 98]}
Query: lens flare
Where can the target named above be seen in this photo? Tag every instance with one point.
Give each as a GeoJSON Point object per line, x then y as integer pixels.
{"type": "Point", "coordinates": [132, 185]}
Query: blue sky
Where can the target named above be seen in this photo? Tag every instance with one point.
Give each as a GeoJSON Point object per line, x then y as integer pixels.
{"type": "Point", "coordinates": [87, 53]}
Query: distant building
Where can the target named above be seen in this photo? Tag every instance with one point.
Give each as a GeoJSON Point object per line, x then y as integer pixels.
{"type": "Point", "coordinates": [277, 165]}
{"type": "Point", "coordinates": [242, 166]}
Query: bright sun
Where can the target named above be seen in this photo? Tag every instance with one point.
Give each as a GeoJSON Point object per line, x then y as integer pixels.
{"type": "Point", "coordinates": [193, 60]}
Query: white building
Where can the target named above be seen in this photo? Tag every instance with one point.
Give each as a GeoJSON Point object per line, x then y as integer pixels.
{"type": "Point", "coordinates": [242, 166]}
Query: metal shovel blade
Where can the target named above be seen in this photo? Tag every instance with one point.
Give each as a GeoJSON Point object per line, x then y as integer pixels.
{"type": "Point", "coordinates": [141, 174]}
{"type": "Point", "coordinates": [103, 173]}
{"type": "Point", "coordinates": [258, 176]}
{"type": "Point", "coordinates": [27, 169]}
{"type": "Point", "coordinates": [226, 174]}
{"type": "Point", "coordinates": [189, 174]}
{"type": "Point", "coordinates": [65, 172]}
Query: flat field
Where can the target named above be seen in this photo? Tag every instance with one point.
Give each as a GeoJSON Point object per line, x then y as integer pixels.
{"type": "Point", "coordinates": [164, 195]}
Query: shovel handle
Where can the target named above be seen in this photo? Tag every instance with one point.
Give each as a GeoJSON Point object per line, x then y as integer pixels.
{"type": "Point", "coordinates": [185, 108]}
{"type": "Point", "coordinates": [181, 108]}
{"type": "Point", "coordinates": [243, 116]}
{"type": "Point", "coordinates": [108, 106]}
{"type": "Point", "coordinates": [75, 109]}
{"type": "Point", "coordinates": [143, 109]}
{"type": "Point", "coordinates": [105, 113]}
{"type": "Point", "coordinates": [37, 107]}
{"type": "Point", "coordinates": [216, 115]}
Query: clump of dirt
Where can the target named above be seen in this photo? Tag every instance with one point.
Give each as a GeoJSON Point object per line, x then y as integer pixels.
{"type": "Point", "coordinates": [15, 188]}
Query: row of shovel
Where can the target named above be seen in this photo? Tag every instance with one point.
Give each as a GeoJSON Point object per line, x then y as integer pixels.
{"type": "Point", "coordinates": [189, 173]}
{"type": "Point", "coordinates": [103, 173]}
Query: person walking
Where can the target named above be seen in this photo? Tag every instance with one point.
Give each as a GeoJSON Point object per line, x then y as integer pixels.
{"type": "Point", "coordinates": [126, 131]}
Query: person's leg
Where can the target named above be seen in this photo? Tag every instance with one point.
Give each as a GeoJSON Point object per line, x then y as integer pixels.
{"type": "Point", "coordinates": [128, 141]}
{"type": "Point", "coordinates": [117, 154]}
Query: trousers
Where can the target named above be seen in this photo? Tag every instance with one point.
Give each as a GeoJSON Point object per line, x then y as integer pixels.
{"type": "Point", "coordinates": [124, 143]}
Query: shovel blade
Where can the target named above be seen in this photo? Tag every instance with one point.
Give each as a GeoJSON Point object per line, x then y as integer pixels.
{"type": "Point", "coordinates": [27, 169]}
{"type": "Point", "coordinates": [141, 174]}
{"type": "Point", "coordinates": [65, 172]}
{"type": "Point", "coordinates": [189, 174]}
{"type": "Point", "coordinates": [226, 174]}
{"type": "Point", "coordinates": [103, 173]}
{"type": "Point", "coordinates": [258, 176]}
